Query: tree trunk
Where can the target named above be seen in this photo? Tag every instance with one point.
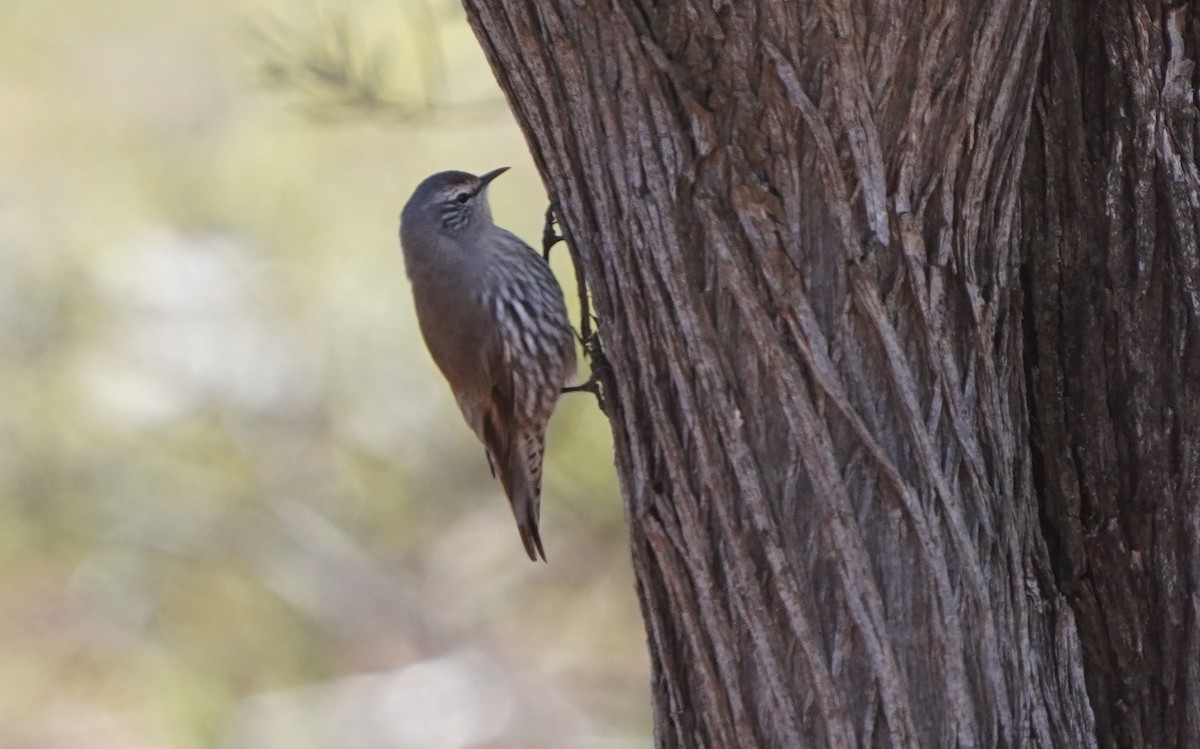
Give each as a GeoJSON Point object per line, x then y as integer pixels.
{"type": "Point", "coordinates": [900, 307]}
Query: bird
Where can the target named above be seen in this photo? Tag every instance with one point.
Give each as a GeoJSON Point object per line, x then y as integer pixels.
{"type": "Point", "coordinates": [494, 320]}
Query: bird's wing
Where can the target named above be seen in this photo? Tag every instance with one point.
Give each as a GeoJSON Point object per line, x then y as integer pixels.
{"type": "Point", "coordinates": [538, 346]}
{"type": "Point", "coordinates": [514, 427]}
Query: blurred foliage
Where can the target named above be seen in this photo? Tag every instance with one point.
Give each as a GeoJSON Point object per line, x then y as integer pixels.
{"type": "Point", "coordinates": [238, 507]}
{"type": "Point", "coordinates": [335, 64]}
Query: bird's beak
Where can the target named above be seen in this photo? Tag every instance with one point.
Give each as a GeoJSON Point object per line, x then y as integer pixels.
{"type": "Point", "coordinates": [486, 178]}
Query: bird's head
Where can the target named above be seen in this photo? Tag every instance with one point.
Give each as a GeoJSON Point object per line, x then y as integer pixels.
{"type": "Point", "coordinates": [451, 202]}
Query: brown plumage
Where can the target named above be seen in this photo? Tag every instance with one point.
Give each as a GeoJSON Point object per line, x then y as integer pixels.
{"type": "Point", "coordinates": [493, 318]}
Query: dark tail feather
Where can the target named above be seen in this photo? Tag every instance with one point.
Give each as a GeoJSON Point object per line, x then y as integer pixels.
{"type": "Point", "coordinates": [522, 491]}
{"type": "Point", "coordinates": [511, 460]}
{"type": "Point", "coordinates": [528, 528]}
{"type": "Point", "coordinates": [525, 489]}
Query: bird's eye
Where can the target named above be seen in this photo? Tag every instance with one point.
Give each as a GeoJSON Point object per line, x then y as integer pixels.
{"type": "Point", "coordinates": [462, 197]}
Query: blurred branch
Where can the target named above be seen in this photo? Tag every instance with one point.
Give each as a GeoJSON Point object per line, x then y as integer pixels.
{"type": "Point", "coordinates": [334, 73]}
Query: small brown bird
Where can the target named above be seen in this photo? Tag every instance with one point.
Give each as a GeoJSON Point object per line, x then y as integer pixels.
{"type": "Point", "coordinates": [493, 317]}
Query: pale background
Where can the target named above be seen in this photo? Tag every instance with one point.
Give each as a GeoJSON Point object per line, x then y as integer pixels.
{"type": "Point", "coordinates": [238, 508]}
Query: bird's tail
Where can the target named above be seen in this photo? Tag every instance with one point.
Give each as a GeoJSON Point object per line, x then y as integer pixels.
{"type": "Point", "coordinates": [522, 479]}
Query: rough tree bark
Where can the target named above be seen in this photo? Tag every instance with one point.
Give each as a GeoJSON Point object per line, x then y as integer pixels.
{"type": "Point", "coordinates": [1111, 209]}
{"type": "Point", "coordinates": [900, 302]}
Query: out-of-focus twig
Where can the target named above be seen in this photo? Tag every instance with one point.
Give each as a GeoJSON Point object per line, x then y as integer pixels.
{"type": "Point", "coordinates": [334, 73]}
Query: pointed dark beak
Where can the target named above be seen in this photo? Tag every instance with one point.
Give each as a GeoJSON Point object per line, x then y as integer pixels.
{"type": "Point", "coordinates": [486, 178]}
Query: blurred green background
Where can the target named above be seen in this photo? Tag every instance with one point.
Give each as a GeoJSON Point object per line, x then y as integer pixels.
{"type": "Point", "coordinates": [238, 507]}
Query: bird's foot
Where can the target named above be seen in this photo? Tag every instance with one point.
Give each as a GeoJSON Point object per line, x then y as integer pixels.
{"type": "Point", "coordinates": [550, 235]}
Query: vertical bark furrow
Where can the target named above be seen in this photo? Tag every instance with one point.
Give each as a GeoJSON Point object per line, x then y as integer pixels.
{"type": "Point", "coordinates": [853, 101]}
{"type": "Point", "coordinates": [965, 547]}
{"type": "Point", "coordinates": [837, 193]}
{"type": "Point", "coordinates": [780, 363]}
{"type": "Point", "coordinates": [690, 660]}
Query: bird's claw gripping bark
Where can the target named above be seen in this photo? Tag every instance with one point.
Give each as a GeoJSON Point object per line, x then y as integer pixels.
{"type": "Point", "coordinates": [550, 236]}
{"type": "Point", "coordinates": [588, 337]}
